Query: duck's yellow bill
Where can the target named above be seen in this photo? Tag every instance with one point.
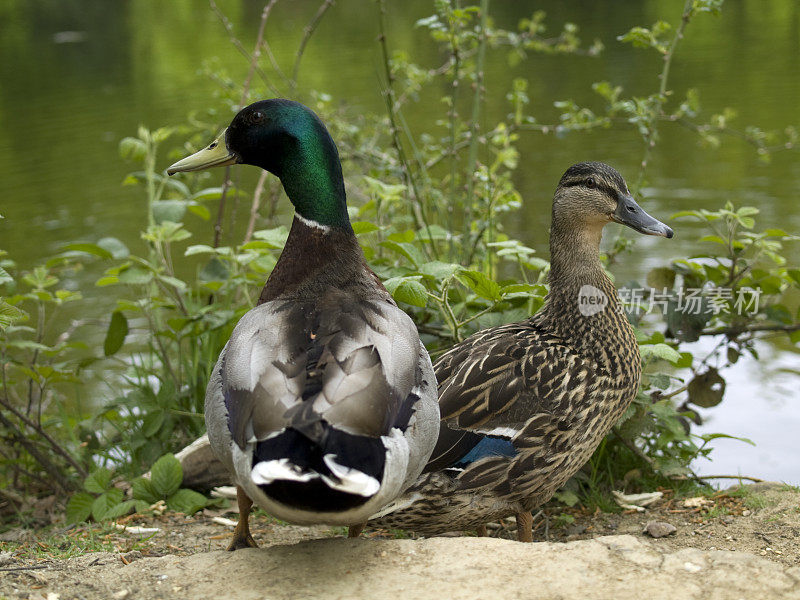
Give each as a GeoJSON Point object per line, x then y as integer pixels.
{"type": "Point", "coordinates": [216, 154]}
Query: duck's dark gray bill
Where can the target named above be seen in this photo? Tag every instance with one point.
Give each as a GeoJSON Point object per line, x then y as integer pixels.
{"type": "Point", "coordinates": [216, 154]}
{"type": "Point", "coordinates": [631, 214]}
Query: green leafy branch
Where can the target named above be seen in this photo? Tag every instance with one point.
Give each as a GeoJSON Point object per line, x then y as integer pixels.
{"type": "Point", "coordinates": [102, 500]}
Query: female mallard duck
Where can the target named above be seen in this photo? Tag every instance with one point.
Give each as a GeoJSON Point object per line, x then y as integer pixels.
{"type": "Point", "coordinates": [524, 405]}
{"type": "Point", "coordinates": [323, 402]}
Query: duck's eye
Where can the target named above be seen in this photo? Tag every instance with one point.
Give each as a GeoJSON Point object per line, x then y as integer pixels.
{"type": "Point", "coordinates": [590, 183]}
{"type": "Point", "coordinates": [256, 116]}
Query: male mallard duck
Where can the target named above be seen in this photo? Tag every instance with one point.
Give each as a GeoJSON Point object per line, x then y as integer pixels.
{"type": "Point", "coordinates": [323, 402]}
{"type": "Point", "coordinates": [524, 405]}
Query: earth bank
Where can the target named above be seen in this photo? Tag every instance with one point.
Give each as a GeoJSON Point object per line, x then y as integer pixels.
{"type": "Point", "coordinates": [740, 544]}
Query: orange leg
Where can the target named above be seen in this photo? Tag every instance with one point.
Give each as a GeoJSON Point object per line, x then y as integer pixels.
{"type": "Point", "coordinates": [524, 526]}
{"type": "Point", "coordinates": [355, 530]}
{"type": "Point", "coordinates": [241, 535]}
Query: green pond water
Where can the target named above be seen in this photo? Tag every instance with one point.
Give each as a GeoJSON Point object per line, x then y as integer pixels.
{"type": "Point", "coordinates": [76, 76]}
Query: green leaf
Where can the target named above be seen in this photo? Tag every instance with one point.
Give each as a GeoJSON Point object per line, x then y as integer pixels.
{"type": "Point", "coordinates": [685, 361]}
{"type": "Point", "coordinates": [214, 193]}
{"type": "Point", "coordinates": [142, 489]}
{"type": "Point", "coordinates": [166, 475]}
{"type": "Point", "coordinates": [105, 503]}
{"type": "Point", "coordinates": [659, 380]}
{"type": "Point", "coordinates": [713, 238]}
{"type": "Point", "coordinates": [136, 276]}
{"type": "Point", "coordinates": [199, 249]}
{"type": "Point", "coordinates": [79, 507]}
{"type": "Point", "coordinates": [567, 497]}
{"type": "Point", "coordinates": [115, 336]}
{"type": "Point", "coordinates": [93, 249]}
{"type": "Point", "coordinates": [732, 354]}
{"type": "Point", "coordinates": [152, 423]}
{"type": "Point", "coordinates": [169, 210]}
{"type": "Point", "coordinates": [661, 278]}
{"type": "Point", "coordinates": [406, 236]}
{"type": "Point", "coordinates": [107, 280]}
{"type": "Point", "coordinates": [27, 345]}
{"type": "Point", "coordinates": [120, 510]}
{"type": "Point", "coordinates": [662, 351]}
{"type": "Point", "coordinates": [361, 227]}
{"type": "Point", "coordinates": [480, 284]}
{"type": "Point", "coordinates": [440, 270]}
{"type": "Point", "coordinates": [747, 211]}
{"type": "Point", "coordinates": [411, 252]}
{"type": "Point", "coordinates": [131, 148]}
{"type": "Point", "coordinates": [686, 213]}
{"type": "Point", "coordinates": [707, 437]}
{"type": "Point", "coordinates": [186, 501]}
{"type": "Point", "coordinates": [686, 321]}
{"type": "Point", "coordinates": [178, 284]}
{"type": "Point", "coordinates": [9, 314]}
{"type": "Point", "coordinates": [200, 210]}
{"type": "Point", "coordinates": [5, 277]}
{"type": "Point", "coordinates": [432, 233]}
{"type": "Point", "coordinates": [214, 270]}
{"type": "Point", "coordinates": [518, 288]}
{"type": "Point", "coordinates": [776, 233]}
{"type": "Point", "coordinates": [408, 290]}
{"type": "Point", "coordinates": [276, 237]}
{"type": "Point", "coordinates": [707, 389]}
{"type": "Point", "coordinates": [98, 481]}
{"type": "Point", "coordinates": [385, 191]}
{"type": "Point", "coordinates": [166, 232]}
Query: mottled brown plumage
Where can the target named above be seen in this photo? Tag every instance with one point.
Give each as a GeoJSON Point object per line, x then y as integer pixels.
{"type": "Point", "coordinates": [544, 391]}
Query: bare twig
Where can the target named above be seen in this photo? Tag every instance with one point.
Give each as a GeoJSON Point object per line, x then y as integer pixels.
{"type": "Point", "coordinates": [754, 479]}
{"type": "Point", "coordinates": [256, 50]}
{"type": "Point", "coordinates": [253, 58]}
{"type": "Point", "coordinates": [658, 395]}
{"type": "Point", "coordinates": [633, 448]}
{"type": "Point", "coordinates": [453, 151]}
{"type": "Point", "coordinates": [12, 496]}
{"type": "Point", "coordinates": [734, 330]}
{"type": "Point", "coordinates": [742, 135]}
{"type": "Point", "coordinates": [238, 44]}
{"type": "Point", "coordinates": [308, 31]}
{"type": "Point", "coordinates": [259, 191]}
{"type": "Point", "coordinates": [226, 184]}
{"type": "Point", "coordinates": [652, 132]}
{"type": "Point", "coordinates": [474, 127]}
{"type": "Point", "coordinates": [52, 470]}
{"type": "Point", "coordinates": [56, 447]}
{"type": "Point", "coordinates": [388, 93]}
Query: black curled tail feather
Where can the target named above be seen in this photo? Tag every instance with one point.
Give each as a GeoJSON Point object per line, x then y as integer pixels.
{"type": "Point", "coordinates": [307, 453]}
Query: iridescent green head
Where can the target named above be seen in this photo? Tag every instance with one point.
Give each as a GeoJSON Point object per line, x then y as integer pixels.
{"type": "Point", "coordinates": [289, 140]}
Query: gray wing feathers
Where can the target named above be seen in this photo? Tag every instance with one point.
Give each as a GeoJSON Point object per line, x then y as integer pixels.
{"type": "Point", "coordinates": [354, 362]}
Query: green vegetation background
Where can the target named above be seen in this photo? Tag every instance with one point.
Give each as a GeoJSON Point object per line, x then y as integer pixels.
{"type": "Point", "coordinates": [429, 200]}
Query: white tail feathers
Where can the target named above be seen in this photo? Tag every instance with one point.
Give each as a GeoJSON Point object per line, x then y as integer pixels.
{"type": "Point", "coordinates": [342, 478]}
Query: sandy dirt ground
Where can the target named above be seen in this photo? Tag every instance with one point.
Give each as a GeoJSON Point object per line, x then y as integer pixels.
{"type": "Point", "coordinates": [735, 544]}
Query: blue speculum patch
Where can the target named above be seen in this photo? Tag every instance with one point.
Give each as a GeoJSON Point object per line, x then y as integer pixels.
{"type": "Point", "coordinates": [488, 446]}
